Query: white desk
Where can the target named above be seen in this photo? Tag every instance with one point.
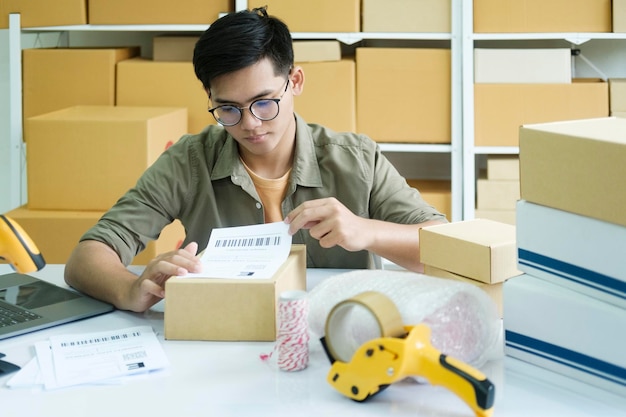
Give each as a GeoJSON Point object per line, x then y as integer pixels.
{"type": "Point", "coordinates": [226, 379]}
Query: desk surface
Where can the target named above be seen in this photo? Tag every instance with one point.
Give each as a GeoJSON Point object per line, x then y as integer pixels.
{"type": "Point", "coordinates": [228, 379]}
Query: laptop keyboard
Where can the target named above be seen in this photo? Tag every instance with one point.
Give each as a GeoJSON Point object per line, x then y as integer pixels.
{"type": "Point", "coordinates": [11, 315]}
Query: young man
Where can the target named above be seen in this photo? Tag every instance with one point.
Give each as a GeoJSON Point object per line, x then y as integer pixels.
{"type": "Point", "coordinates": [338, 193]}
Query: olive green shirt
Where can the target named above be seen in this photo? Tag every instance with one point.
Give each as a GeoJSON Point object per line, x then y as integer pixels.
{"type": "Point", "coordinates": [201, 181]}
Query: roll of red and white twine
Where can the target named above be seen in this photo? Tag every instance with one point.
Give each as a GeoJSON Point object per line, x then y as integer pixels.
{"type": "Point", "coordinates": [292, 339]}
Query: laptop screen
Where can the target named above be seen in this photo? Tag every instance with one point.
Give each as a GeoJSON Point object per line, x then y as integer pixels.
{"type": "Point", "coordinates": [35, 294]}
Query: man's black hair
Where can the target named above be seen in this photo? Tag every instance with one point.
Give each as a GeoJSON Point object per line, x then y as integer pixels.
{"type": "Point", "coordinates": [239, 40]}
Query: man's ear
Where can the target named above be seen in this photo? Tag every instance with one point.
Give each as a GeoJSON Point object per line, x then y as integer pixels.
{"type": "Point", "coordinates": [296, 78]}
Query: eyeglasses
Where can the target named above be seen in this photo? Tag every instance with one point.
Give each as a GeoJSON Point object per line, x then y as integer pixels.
{"type": "Point", "coordinates": [264, 109]}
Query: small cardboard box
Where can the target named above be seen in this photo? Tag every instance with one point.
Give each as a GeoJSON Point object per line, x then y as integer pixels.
{"type": "Point", "coordinates": [178, 87]}
{"type": "Point", "coordinates": [523, 65]}
{"type": "Point", "coordinates": [502, 16]}
{"type": "Point", "coordinates": [315, 16]}
{"type": "Point", "coordinates": [619, 16]}
{"type": "Point", "coordinates": [230, 309]}
{"type": "Point", "coordinates": [502, 216]}
{"type": "Point", "coordinates": [617, 94]}
{"type": "Point", "coordinates": [437, 193]}
{"type": "Point", "coordinates": [173, 48]}
{"type": "Point", "coordinates": [403, 94]}
{"type": "Point", "coordinates": [316, 51]}
{"type": "Point", "coordinates": [426, 16]}
{"type": "Point", "coordinates": [494, 291]}
{"type": "Point", "coordinates": [479, 249]}
{"type": "Point", "coordinates": [497, 194]}
{"type": "Point", "coordinates": [33, 13]}
{"type": "Point", "coordinates": [87, 157]}
{"type": "Point", "coordinates": [565, 331]}
{"type": "Point", "coordinates": [576, 166]}
{"type": "Point", "coordinates": [56, 233]}
{"type": "Point", "coordinates": [498, 125]}
{"type": "Point", "coordinates": [503, 167]}
{"type": "Point", "coordinates": [157, 12]}
{"type": "Point", "coordinates": [337, 110]}
{"type": "Point", "coordinates": [57, 78]}
{"type": "Point", "coordinates": [579, 252]}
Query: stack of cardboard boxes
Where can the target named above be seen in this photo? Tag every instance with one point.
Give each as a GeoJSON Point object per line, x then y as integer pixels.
{"type": "Point", "coordinates": [568, 312]}
{"type": "Point", "coordinates": [497, 190]}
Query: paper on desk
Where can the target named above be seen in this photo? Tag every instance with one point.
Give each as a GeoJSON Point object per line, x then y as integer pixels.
{"type": "Point", "coordinates": [245, 252]}
{"type": "Point", "coordinates": [92, 358]}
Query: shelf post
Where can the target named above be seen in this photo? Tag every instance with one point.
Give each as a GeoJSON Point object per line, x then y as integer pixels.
{"type": "Point", "coordinates": [16, 144]}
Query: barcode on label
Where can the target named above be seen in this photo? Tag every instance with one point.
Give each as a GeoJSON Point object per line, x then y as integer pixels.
{"type": "Point", "coordinates": [101, 339]}
{"type": "Point", "coordinates": [248, 242]}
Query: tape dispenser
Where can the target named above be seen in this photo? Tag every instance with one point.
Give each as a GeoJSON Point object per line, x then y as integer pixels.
{"type": "Point", "coordinates": [393, 352]}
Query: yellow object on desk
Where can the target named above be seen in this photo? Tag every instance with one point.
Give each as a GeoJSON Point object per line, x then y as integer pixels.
{"type": "Point", "coordinates": [17, 248]}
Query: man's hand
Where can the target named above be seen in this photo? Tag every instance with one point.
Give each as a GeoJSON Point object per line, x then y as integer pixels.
{"type": "Point", "coordinates": [330, 222]}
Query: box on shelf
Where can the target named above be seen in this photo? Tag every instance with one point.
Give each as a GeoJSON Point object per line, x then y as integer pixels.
{"type": "Point", "coordinates": [427, 16]}
{"type": "Point", "coordinates": [503, 167]}
{"type": "Point", "coordinates": [158, 12]}
{"type": "Point", "coordinates": [619, 16]}
{"type": "Point", "coordinates": [57, 232]}
{"type": "Point", "coordinates": [315, 16]}
{"type": "Point", "coordinates": [403, 94]}
{"type": "Point", "coordinates": [494, 291]}
{"type": "Point", "coordinates": [437, 193]}
{"type": "Point", "coordinates": [565, 331]}
{"type": "Point", "coordinates": [178, 87]}
{"type": "Point", "coordinates": [498, 125]}
{"type": "Point", "coordinates": [315, 51]}
{"type": "Point", "coordinates": [479, 249]}
{"type": "Point", "coordinates": [86, 157]}
{"type": "Point", "coordinates": [57, 78]}
{"type": "Point", "coordinates": [576, 166]}
{"type": "Point", "coordinates": [523, 65]}
{"type": "Point", "coordinates": [502, 16]}
{"type": "Point", "coordinates": [230, 309]}
{"type": "Point", "coordinates": [328, 97]}
{"type": "Point", "coordinates": [32, 14]}
{"type": "Point", "coordinates": [497, 194]}
{"type": "Point", "coordinates": [502, 216]}
{"type": "Point", "coordinates": [578, 252]}
{"type": "Point", "coordinates": [173, 48]}
{"type": "Point", "coordinates": [617, 95]}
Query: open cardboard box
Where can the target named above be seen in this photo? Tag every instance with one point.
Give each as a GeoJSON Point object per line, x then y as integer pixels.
{"type": "Point", "coordinates": [230, 309]}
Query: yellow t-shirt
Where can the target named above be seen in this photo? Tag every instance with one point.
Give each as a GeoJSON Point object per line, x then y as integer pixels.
{"type": "Point", "coordinates": [271, 192]}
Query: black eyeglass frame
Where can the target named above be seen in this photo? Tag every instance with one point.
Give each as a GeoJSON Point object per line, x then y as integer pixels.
{"type": "Point", "coordinates": [241, 109]}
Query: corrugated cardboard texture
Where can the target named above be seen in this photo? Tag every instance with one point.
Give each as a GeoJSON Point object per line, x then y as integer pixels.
{"type": "Point", "coordinates": [523, 65]}
{"type": "Point", "coordinates": [32, 14]}
{"type": "Point", "coordinates": [138, 12]}
{"type": "Point", "coordinates": [173, 48]}
{"type": "Point", "coordinates": [617, 94]}
{"type": "Point", "coordinates": [503, 167]}
{"type": "Point", "coordinates": [480, 249]}
{"type": "Point", "coordinates": [576, 166]}
{"type": "Point", "coordinates": [498, 125]}
{"type": "Point", "coordinates": [315, 16]}
{"type": "Point", "coordinates": [315, 51]}
{"type": "Point", "coordinates": [497, 194]}
{"type": "Point", "coordinates": [619, 16]}
{"type": "Point", "coordinates": [230, 309]}
{"type": "Point", "coordinates": [403, 94]}
{"type": "Point", "coordinates": [428, 16]}
{"type": "Point", "coordinates": [437, 193]}
{"type": "Point", "coordinates": [86, 157]}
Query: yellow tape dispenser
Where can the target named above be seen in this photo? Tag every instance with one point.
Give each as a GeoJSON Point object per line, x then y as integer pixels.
{"type": "Point", "coordinates": [392, 354]}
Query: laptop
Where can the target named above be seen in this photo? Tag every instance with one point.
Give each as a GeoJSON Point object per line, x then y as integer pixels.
{"type": "Point", "coordinates": [28, 304]}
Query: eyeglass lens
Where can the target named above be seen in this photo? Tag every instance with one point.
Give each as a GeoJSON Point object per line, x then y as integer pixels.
{"type": "Point", "coordinates": [264, 109]}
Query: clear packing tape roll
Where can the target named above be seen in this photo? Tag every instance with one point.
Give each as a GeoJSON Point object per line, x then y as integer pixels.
{"type": "Point", "coordinates": [464, 321]}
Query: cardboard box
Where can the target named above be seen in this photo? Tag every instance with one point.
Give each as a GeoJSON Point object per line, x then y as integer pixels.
{"type": "Point", "coordinates": [314, 16]}
{"type": "Point", "coordinates": [146, 12]}
{"type": "Point", "coordinates": [503, 167]}
{"type": "Point", "coordinates": [230, 309]}
{"type": "Point", "coordinates": [565, 331]}
{"type": "Point", "coordinates": [427, 16]}
{"type": "Point", "coordinates": [619, 16]}
{"type": "Point", "coordinates": [57, 78]}
{"type": "Point", "coordinates": [495, 16]}
{"type": "Point", "coordinates": [336, 110]}
{"type": "Point", "coordinates": [480, 249]}
{"type": "Point", "coordinates": [86, 157]}
{"type": "Point", "coordinates": [176, 48]}
{"type": "Point", "coordinates": [56, 233]}
{"type": "Point", "coordinates": [315, 51]}
{"type": "Point", "coordinates": [497, 194]}
{"type": "Point", "coordinates": [403, 94]}
{"type": "Point", "coordinates": [498, 125]}
{"type": "Point", "coordinates": [502, 216]}
{"type": "Point", "coordinates": [576, 166]}
{"type": "Point", "coordinates": [494, 291]}
{"type": "Point", "coordinates": [437, 193]}
{"type": "Point", "coordinates": [617, 95]}
{"type": "Point", "coordinates": [520, 66]}
{"type": "Point", "coordinates": [178, 87]}
{"type": "Point", "coordinates": [578, 252]}
{"type": "Point", "coordinates": [32, 14]}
